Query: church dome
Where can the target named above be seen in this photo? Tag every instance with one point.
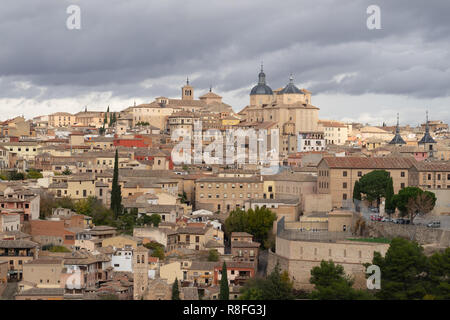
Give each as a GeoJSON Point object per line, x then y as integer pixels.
{"type": "Point", "coordinates": [291, 88]}
{"type": "Point", "coordinates": [261, 87]}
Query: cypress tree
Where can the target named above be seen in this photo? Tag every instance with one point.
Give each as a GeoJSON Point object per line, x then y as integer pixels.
{"type": "Point", "coordinates": [116, 195]}
{"type": "Point", "coordinates": [389, 206]}
{"type": "Point", "coordinates": [105, 121]}
{"type": "Point", "coordinates": [224, 293]}
{"type": "Point", "coordinates": [357, 191]}
{"type": "Point", "coordinates": [175, 290]}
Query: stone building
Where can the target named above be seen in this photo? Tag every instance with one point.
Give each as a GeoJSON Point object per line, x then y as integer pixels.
{"type": "Point", "coordinates": [288, 107]}
{"type": "Point", "coordinates": [140, 272]}
{"type": "Point", "coordinates": [337, 175]}
{"type": "Point", "coordinates": [298, 252]}
{"type": "Point", "coordinates": [225, 194]}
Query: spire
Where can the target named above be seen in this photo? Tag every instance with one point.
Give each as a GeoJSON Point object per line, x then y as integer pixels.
{"type": "Point", "coordinates": [397, 129]}
{"type": "Point", "coordinates": [291, 79]}
{"type": "Point", "coordinates": [397, 138]}
{"type": "Point", "coordinates": [427, 138]}
{"type": "Point", "coordinates": [187, 80]}
{"type": "Point", "coordinates": [210, 88]}
{"type": "Point", "coordinates": [262, 75]}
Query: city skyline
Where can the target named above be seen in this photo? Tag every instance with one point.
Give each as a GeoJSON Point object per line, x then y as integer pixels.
{"type": "Point", "coordinates": [400, 68]}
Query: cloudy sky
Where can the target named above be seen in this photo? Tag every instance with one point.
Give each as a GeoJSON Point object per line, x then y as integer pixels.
{"type": "Point", "coordinates": [136, 50]}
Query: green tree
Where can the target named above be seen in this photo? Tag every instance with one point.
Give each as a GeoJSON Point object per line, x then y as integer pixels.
{"type": "Point", "coordinates": [65, 202]}
{"type": "Point", "coordinates": [34, 174]}
{"type": "Point", "coordinates": [413, 201]}
{"type": "Point", "coordinates": [153, 245]}
{"type": "Point", "coordinates": [389, 206]}
{"type": "Point", "coordinates": [58, 249]}
{"type": "Point", "coordinates": [14, 175]}
{"type": "Point", "coordinates": [258, 222]}
{"type": "Point", "coordinates": [175, 290]}
{"type": "Point", "coordinates": [277, 286]}
{"type": "Point", "coordinates": [158, 252]}
{"type": "Point", "coordinates": [154, 220]}
{"type": "Point", "coordinates": [373, 185]}
{"type": "Point", "coordinates": [213, 255]}
{"type": "Point", "coordinates": [183, 197]}
{"type": "Point", "coordinates": [224, 293]}
{"type": "Point", "coordinates": [357, 191]}
{"type": "Point", "coordinates": [116, 194]}
{"type": "Point", "coordinates": [403, 271]}
{"type": "Point", "coordinates": [438, 270]}
{"type": "Point", "coordinates": [331, 283]}
{"type": "Point", "coordinates": [85, 206]}
{"type": "Point", "coordinates": [67, 172]}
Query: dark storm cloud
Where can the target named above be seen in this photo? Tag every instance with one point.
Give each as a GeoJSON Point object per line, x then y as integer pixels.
{"type": "Point", "coordinates": [325, 44]}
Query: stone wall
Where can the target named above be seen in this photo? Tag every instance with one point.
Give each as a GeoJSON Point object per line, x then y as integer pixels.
{"type": "Point", "coordinates": [422, 234]}
{"type": "Point", "coordinates": [300, 271]}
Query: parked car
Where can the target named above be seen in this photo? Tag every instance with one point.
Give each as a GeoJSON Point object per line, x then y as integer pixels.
{"type": "Point", "coordinates": [375, 218]}
{"type": "Point", "coordinates": [386, 219]}
{"type": "Point", "coordinates": [434, 224]}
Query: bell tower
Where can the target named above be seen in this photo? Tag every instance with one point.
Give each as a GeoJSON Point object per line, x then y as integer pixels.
{"type": "Point", "coordinates": [140, 272]}
{"type": "Point", "coordinates": [187, 92]}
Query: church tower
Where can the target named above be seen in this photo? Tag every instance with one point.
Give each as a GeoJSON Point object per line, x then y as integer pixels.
{"type": "Point", "coordinates": [261, 94]}
{"type": "Point", "coordinates": [427, 141]}
{"type": "Point", "coordinates": [397, 140]}
{"type": "Point", "coordinates": [187, 92]}
{"type": "Point", "coordinates": [140, 272]}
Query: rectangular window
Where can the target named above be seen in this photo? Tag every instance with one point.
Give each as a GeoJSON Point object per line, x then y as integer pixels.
{"type": "Point", "coordinates": [344, 173]}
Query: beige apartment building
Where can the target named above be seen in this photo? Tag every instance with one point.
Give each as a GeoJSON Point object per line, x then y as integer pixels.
{"type": "Point", "coordinates": [337, 175]}
{"type": "Point", "coordinates": [335, 132]}
{"type": "Point", "coordinates": [44, 272]}
{"type": "Point", "coordinates": [16, 127]}
{"type": "Point", "coordinates": [90, 118]}
{"type": "Point", "coordinates": [288, 184]}
{"type": "Point", "coordinates": [193, 236]}
{"type": "Point", "coordinates": [23, 150]}
{"type": "Point", "coordinates": [430, 175]}
{"type": "Point", "coordinates": [76, 186]}
{"type": "Point", "coordinates": [61, 119]}
{"type": "Point", "coordinates": [225, 194]}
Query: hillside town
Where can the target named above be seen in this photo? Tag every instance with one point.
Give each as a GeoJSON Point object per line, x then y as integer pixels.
{"type": "Point", "coordinates": [93, 205]}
